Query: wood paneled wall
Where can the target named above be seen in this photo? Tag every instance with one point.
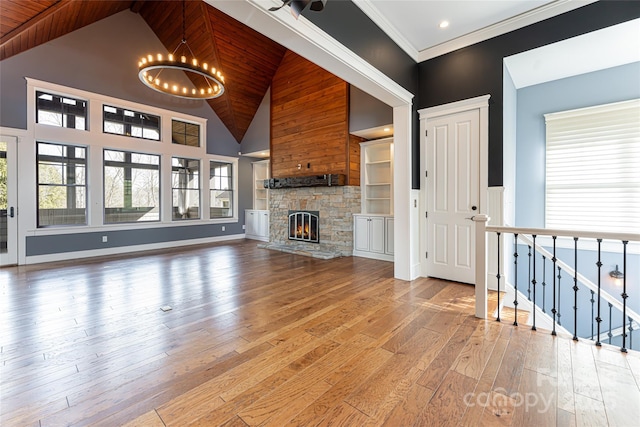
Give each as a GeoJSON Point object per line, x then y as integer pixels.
{"type": "Point", "coordinates": [354, 159]}
{"type": "Point", "coordinates": [309, 120]}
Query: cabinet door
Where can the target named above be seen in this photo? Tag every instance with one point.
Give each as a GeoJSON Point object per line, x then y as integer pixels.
{"type": "Point", "coordinates": [263, 228]}
{"type": "Point", "coordinates": [389, 234]}
{"type": "Point", "coordinates": [376, 234]}
{"type": "Point", "coordinates": [250, 223]}
{"type": "Point", "coordinates": [361, 233]}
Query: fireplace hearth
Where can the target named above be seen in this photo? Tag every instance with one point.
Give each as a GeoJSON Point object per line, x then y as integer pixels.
{"type": "Point", "coordinates": [304, 226]}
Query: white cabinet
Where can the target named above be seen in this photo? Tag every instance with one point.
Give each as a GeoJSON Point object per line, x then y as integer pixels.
{"type": "Point", "coordinates": [256, 224]}
{"type": "Point", "coordinates": [372, 238]}
{"type": "Point", "coordinates": [260, 194]}
{"type": "Point", "coordinates": [376, 176]}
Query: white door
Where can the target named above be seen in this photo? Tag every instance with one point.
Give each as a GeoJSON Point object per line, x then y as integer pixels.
{"type": "Point", "coordinates": [8, 201]}
{"type": "Point", "coordinates": [453, 194]}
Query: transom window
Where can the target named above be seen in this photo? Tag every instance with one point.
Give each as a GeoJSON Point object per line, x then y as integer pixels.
{"type": "Point", "coordinates": [185, 133]}
{"type": "Point", "coordinates": [131, 187]}
{"type": "Point", "coordinates": [121, 121]}
{"type": "Point", "coordinates": [221, 187]}
{"type": "Point", "coordinates": [61, 111]}
{"type": "Point", "coordinates": [62, 184]}
{"type": "Point", "coordinates": [185, 183]}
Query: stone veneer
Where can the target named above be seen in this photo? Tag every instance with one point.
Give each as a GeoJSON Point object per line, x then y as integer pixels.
{"type": "Point", "coordinates": [336, 206]}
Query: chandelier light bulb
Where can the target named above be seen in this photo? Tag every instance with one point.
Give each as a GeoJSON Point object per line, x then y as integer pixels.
{"type": "Point", "coordinates": [182, 59]}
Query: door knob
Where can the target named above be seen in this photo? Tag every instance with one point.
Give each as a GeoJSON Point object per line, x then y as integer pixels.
{"type": "Point", "coordinates": [473, 208]}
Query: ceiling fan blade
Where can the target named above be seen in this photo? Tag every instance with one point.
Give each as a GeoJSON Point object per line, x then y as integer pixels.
{"type": "Point", "coordinates": [284, 3]}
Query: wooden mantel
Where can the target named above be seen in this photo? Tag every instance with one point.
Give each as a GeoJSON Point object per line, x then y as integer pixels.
{"type": "Point", "coordinates": [330, 180]}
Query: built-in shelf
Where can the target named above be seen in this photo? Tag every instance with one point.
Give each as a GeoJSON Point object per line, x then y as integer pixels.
{"type": "Point", "coordinates": [260, 194]}
{"type": "Point", "coordinates": [376, 179]}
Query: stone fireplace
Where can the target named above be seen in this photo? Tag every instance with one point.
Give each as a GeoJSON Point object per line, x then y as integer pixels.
{"type": "Point", "coordinates": [334, 207]}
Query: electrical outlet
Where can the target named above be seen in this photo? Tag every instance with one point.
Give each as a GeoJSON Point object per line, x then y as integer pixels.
{"type": "Point", "coordinates": [223, 228]}
{"type": "Point", "coordinates": [104, 239]}
{"type": "Point", "coordinates": [243, 226]}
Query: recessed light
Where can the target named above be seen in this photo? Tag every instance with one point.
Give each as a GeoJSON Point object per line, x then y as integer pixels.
{"type": "Point", "coordinates": [444, 24]}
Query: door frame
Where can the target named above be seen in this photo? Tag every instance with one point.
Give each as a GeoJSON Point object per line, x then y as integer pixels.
{"type": "Point", "coordinates": [11, 257]}
{"type": "Point", "coordinates": [480, 103]}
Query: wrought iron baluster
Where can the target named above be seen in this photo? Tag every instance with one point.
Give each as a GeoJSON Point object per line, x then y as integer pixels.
{"type": "Point", "coordinates": [529, 279]}
{"type": "Point", "coordinates": [598, 318]}
{"type": "Point", "coordinates": [544, 285]}
{"type": "Point", "coordinates": [575, 289]}
{"type": "Point", "coordinates": [515, 263]}
{"type": "Point", "coordinates": [533, 282]}
{"type": "Point", "coordinates": [631, 333]}
{"type": "Point", "coordinates": [559, 294]}
{"type": "Point", "coordinates": [593, 301]}
{"type": "Point", "coordinates": [553, 271]}
{"type": "Point", "coordinates": [498, 277]}
{"type": "Point", "coordinates": [610, 335]}
{"type": "Point", "coordinates": [624, 296]}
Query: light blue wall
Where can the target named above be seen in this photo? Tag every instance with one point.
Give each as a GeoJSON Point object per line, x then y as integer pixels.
{"type": "Point", "coordinates": [600, 87]}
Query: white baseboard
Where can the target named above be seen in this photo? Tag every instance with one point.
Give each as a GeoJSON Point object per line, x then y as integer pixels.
{"type": "Point", "coordinates": [66, 256]}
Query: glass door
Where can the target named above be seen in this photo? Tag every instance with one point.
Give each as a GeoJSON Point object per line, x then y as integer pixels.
{"type": "Point", "coordinates": [8, 201]}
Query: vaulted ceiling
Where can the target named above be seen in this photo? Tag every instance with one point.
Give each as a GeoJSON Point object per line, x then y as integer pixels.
{"type": "Point", "coordinates": [248, 59]}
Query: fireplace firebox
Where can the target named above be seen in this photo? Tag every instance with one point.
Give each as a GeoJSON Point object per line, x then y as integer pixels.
{"type": "Point", "coordinates": [304, 226]}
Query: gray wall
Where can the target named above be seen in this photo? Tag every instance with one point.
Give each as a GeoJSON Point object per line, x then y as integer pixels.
{"type": "Point", "coordinates": [600, 87]}
{"type": "Point", "coordinates": [258, 135]}
{"type": "Point", "coordinates": [366, 112]}
{"type": "Point", "coordinates": [102, 58]}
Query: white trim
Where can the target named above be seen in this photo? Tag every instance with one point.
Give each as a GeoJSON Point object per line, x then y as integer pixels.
{"type": "Point", "coordinates": [403, 237]}
{"type": "Point", "coordinates": [373, 255]}
{"type": "Point", "coordinates": [66, 256]}
{"type": "Point", "coordinates": [536, 15]}
{"type": "Point", "coordinates": [381, 21]}
{"type": "Point", "coordinates": [454, 107]}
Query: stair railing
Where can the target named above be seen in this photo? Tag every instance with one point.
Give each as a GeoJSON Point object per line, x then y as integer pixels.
{"type": "Point", "coordinates": [598, 295]}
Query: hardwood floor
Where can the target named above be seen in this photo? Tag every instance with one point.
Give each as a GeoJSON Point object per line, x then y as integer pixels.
{"type": "Point", "coordinates": [258, 337]}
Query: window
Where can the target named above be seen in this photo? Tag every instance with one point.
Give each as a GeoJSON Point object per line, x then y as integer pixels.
{"type": "Point", "coordinates": [185, 183]}
{"type": "Point", "coordinates": [131, 187]}
{"type": "Point", "coordinates": [62, 184]}
{"type": "Point", "coordinates": [592, 171]}
{"type": "Point", "coordinates": [221, 187]}
{"type": "Point", "coordinates": [184, 133]}
{"type": "Point", "coordinates": [61, 111]}
{"type": "Point", "coordinates": [121, 121]}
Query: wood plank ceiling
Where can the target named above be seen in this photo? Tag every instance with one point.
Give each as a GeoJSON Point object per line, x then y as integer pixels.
{"type": "Point", "coordinates": [247, 59]}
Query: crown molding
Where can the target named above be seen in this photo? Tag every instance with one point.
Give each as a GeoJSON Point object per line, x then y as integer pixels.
{"type": "Point", "coordinates": [383, 23]}
{"type": "Point", "coordinates": [536, 15]}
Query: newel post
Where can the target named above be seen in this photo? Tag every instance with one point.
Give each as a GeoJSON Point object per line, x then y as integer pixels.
{"type": "Point", "coordinates": [481, 264]}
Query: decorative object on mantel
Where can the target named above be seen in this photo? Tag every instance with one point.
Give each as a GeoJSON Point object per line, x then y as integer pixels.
{"type": "Point", "coordinates": [151, 67]}
{"type": "Point", "coordinates": [306, 181]}
{"type": "Point", "coordinates": [297, 6]}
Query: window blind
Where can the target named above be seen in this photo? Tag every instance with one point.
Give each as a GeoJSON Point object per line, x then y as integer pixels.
{"type": "Point", "coordinates": [593, 168]}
